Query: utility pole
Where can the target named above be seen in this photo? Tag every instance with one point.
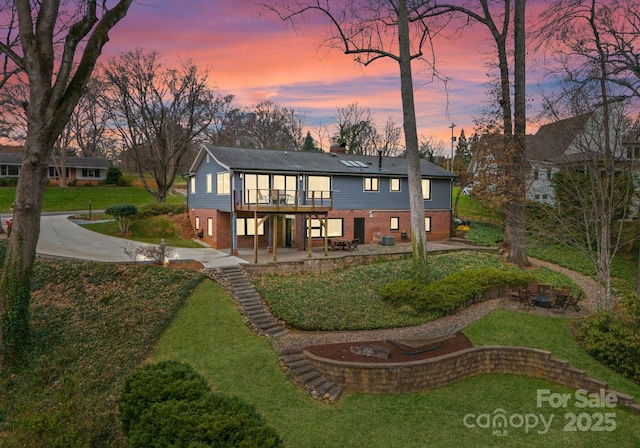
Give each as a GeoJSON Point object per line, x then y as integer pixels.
{"type": "Point", "coordinates": [453, 139]}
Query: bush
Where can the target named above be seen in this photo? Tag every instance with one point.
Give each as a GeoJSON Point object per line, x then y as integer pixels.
{"type": "Point", "coordinates": [122, 213]}
{"type": "Point", "coordinates": [451, 292]}
{"type": "Point", "coordinates": [157, 383]}
{"type": "Point", "coordinates": [613, 341]}
{"type": "Point", "coordinates": [8, 181]}
{"type": "Point", "coordinates": [114, 176]}
{"type": "Point", "coordinates": [161, 209]}
{"type": "Point", "coordinates": [169, 404]}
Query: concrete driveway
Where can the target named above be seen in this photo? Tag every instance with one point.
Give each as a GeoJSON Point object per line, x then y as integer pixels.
{"type": "Point", "coordinates": [60, 237]}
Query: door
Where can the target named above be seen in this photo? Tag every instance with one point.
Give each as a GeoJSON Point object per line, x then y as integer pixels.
{"type": "Point", "coordinates": [358, 229]}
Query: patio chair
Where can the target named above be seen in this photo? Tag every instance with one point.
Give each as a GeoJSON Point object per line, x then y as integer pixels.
{"type": "Point", "coordinates": [354, 243]}
{"type": "Point", "coordinates": [433, 343]}
{"type": "Point", "coordinates": [533, 289]}
{"type": "Point", "coordinates": [526, 299]}
{"type": "Point", "coordinates": [560, 301]}
{"type": "Point", "coordinates": [573, 301]}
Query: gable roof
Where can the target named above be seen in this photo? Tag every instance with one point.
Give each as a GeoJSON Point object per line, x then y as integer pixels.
{"type": "Point", "coordinates": [552, 140]}
{"type": "Point", "coordinates": [268, 160]}
{"type": "Point", "coordinates": [71, 162]}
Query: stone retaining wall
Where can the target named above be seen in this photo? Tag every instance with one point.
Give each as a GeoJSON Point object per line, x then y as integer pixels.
{"type": "Point", "coordinates": [415, 376]}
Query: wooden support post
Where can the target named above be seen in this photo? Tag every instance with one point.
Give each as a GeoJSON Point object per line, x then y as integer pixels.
{"type": "Point", "coordinates": [309, 241]}
{"type": "Point", "coordinates": [275, 236]}
{"type": "Point", "coordinates": [326, 235]}
{"type": "Point", "coordinates": [255, 237]}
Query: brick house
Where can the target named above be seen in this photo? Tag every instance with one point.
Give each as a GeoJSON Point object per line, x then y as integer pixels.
{"type": "Point", "coordinates": [244, 197]}
{"type": "Point", "coordinates": [82, 170]}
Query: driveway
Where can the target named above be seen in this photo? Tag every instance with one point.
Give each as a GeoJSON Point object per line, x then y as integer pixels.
{"type": "Point", "coordinates": [60, 237]}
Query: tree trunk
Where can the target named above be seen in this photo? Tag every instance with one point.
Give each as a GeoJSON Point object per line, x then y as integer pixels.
{"type": "Point", "coordinates": [516, 208]}
{"type": "Point", "coordinates": [21, 250]}
{"type": "Point", "coordinates": [416, 200]}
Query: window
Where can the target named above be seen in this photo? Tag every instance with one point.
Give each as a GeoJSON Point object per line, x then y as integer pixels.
{"type": "Point", "coordinates": [334, 228]}
{"type": "Point", "coordinates": [90, 172]}
{"type": "Point", "coordinates": [549, 173]}
{"type": "Point", "coordinates": [197, 223]}
{"type": "Point", "coordinates": [395, 223]}
{"type": "Point", "coordinates": [286, 187]}
{"type": "Point", "coordinates": [319, 187]}
{"type": "Point", "coordinates": [371, 184]}
{"type": "Point", "coordinates": [426, 189]}
{"type": "Point", "coordinates": [535, 174]}
{"type": "Point", "coordinates": [193, 185]}
{"type": "Point", "coordinates": [545, 197]}
{"type": "Point", "coordinates": [256, 187]}
{"type": "Point", "coordinates": [246, 227]}
{"type": "Point", "coordinates": [54, 174]}
{"type": "Point", "coordinates": [537, 197]}
{"type": "Point", "coordinates": [210, 226]}
{"type": "Point", "coordinates": [394, 184]}
{"type": "Point", "coordinates": [10, 170]}
{"type": "Point", "coordinates": [209, 183]}
{"type": "Point", "coordinates": [223, 184]}
{"type": "Point", "coordinates": [427, 224]}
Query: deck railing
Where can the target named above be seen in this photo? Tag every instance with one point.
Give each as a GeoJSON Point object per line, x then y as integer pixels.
{"type": "Point", "coordinates": [261, 199]}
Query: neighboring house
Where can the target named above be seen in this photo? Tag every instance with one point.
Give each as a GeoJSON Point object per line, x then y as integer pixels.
{"type": "Point", "coordinates": [568, 143]}
{"type": "Point", "coordinates": [82, 170]}
{"type": "Point", "coordinates": [242, 197]}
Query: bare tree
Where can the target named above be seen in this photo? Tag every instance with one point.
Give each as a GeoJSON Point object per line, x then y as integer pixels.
{"type": "Point", "coordinates": [372, 30]}
{"type": "Point", "coordinates": [56, 49]}
{"type": "Point", "coordinates": [391, 140]}
{"type": "Point", "coordinates": [356, 129]}
{"type": "Point", "coordinates": [497, 17]}
{"type": "Point", "coordinates": [158, 112]}
{"type": "Point", "coordinates": [582, 37]}
{"type": "Point", "coordinates": [270, 126]}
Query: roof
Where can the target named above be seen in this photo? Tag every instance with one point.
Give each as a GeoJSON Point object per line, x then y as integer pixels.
{"type": "Point", "coordinates": [267, 160]}
{"type": "Point", "coordinates": [552, 140]}
{"type": "Point", "coordinates": [71, 162]}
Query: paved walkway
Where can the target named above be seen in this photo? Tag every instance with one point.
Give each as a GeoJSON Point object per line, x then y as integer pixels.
{"type": "Point", "coordinates": [60, 237]}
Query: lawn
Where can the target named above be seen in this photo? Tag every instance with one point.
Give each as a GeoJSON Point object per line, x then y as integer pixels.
{"type": "Point", "coordinates": [209, 334]}
{"type": "Point", "coordinates": [68, 199]}
{"type": "Point", "coordinates": [349, 299]}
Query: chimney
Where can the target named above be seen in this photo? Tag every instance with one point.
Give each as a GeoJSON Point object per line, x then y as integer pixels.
{"type": "Point", "coordinates": [379, 160]}
{"type": "Point", "coordinates": [338, 148]}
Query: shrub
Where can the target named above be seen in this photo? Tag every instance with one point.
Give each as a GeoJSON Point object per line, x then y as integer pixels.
{"type": "Point", "coordinates": [169, 404]}
{"type": "Point", "coordinates": [161, 209]}
{"type": "Point", "coordinates": [215, 420]}
{"type": "Point", "coordinates": [157, 383]}
{"type": "Point", "coordinates": [114, 176]}
{"type": "Point", "coordinates": [613, 341]}
{"type": "Point", "coordinates": [122, 213]}
{"type": "Point", "coordinates": [451, 292]}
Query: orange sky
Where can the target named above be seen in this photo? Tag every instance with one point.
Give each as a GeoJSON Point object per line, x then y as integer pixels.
{"type": "Point", "coordinates": [260, 58]}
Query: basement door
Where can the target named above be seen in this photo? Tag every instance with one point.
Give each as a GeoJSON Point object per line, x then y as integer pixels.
{"type": "Point", "coordinates": [358, 229]}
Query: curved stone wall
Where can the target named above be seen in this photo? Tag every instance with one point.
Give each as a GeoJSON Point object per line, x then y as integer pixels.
{"type": "Point", "coordinates": [415, 376]}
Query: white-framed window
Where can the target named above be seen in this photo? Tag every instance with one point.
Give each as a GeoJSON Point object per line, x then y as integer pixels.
{"type": "Point", "coordinates": [427, 223]}
{"type": "Point", "coordinates": [426, 189]}
{"type": "Point", "coordinates": [223, 183]}
{"type": "Point", "coordinates": [209, 183]}
{"type": "Point", "coordinates": [285, 187]}
{"type": "Point", "coordinates": [319, 187]}
{"type": "Point", "coordinates": [197, 223]}
{"type": "Point", "coordinates": [371, 184]}
{"type": "Point", "coordinates": [90, 172]}
{"type": "Point", "coordinates": [256, 187]}
{"type": "Point", "coordinates": [53, 173]}
{"type": "Point", "coordinates": [193, 185]}
{"type": "Point", "coordinates": [394, 184]}
{"type": "Point", "coordinates": [10, 170]}
{"type": "Point", "coordinates": [210, 226]}
{"type": "Point", "coordinates": [246, 227]}
{"type": "Point", "coordinates": [394, 223]}
{"type": "Point", "coordinates": [334, 228]}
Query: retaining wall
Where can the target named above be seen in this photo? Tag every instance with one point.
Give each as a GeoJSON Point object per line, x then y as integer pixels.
{"type": "Point", "coordinates": [415, 376]}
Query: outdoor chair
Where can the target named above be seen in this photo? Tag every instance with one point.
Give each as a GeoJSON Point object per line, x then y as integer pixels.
{"type": "Point", "coordinates": [526, 299]}
{"type": "Point", "coordinates": [560, 301]}
{"type": "Point", "coordinates": [573, 301]}
{"type": "Point", "coordinates": [533, 289]}
{"type": "Point", "coordinates": [433, 343]}
{"type": "Point", "coordinates": [354, 243]}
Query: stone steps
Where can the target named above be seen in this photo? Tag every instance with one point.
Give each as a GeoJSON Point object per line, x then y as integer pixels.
{"type": "Point", "coordinates": [256, 313]}
{"type": "Point", "coordinates": [301, 371]}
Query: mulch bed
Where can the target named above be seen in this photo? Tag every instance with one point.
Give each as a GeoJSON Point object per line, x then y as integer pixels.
{"type": "Point", "coordinates": [342, 351]}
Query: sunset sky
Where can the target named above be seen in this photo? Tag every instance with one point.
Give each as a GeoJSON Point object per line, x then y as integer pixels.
{"type": "Point", "coordinates": [261, 58]}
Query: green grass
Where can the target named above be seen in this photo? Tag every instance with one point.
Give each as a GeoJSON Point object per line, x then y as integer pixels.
{"type": "Point", "coordinates": [209, 334]}
{"type": "Point", "coordinates": [349, 299]}
{"type": "Point", "coordinates": [471, 209]}
{"type": "Point", "coordinates": [149, 230]}
{"type": "Point", "coordinates": [58, 199]}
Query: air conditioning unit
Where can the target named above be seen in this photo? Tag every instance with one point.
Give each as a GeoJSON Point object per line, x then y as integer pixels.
{"type": "Point", "coordinates": [388, 241]}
